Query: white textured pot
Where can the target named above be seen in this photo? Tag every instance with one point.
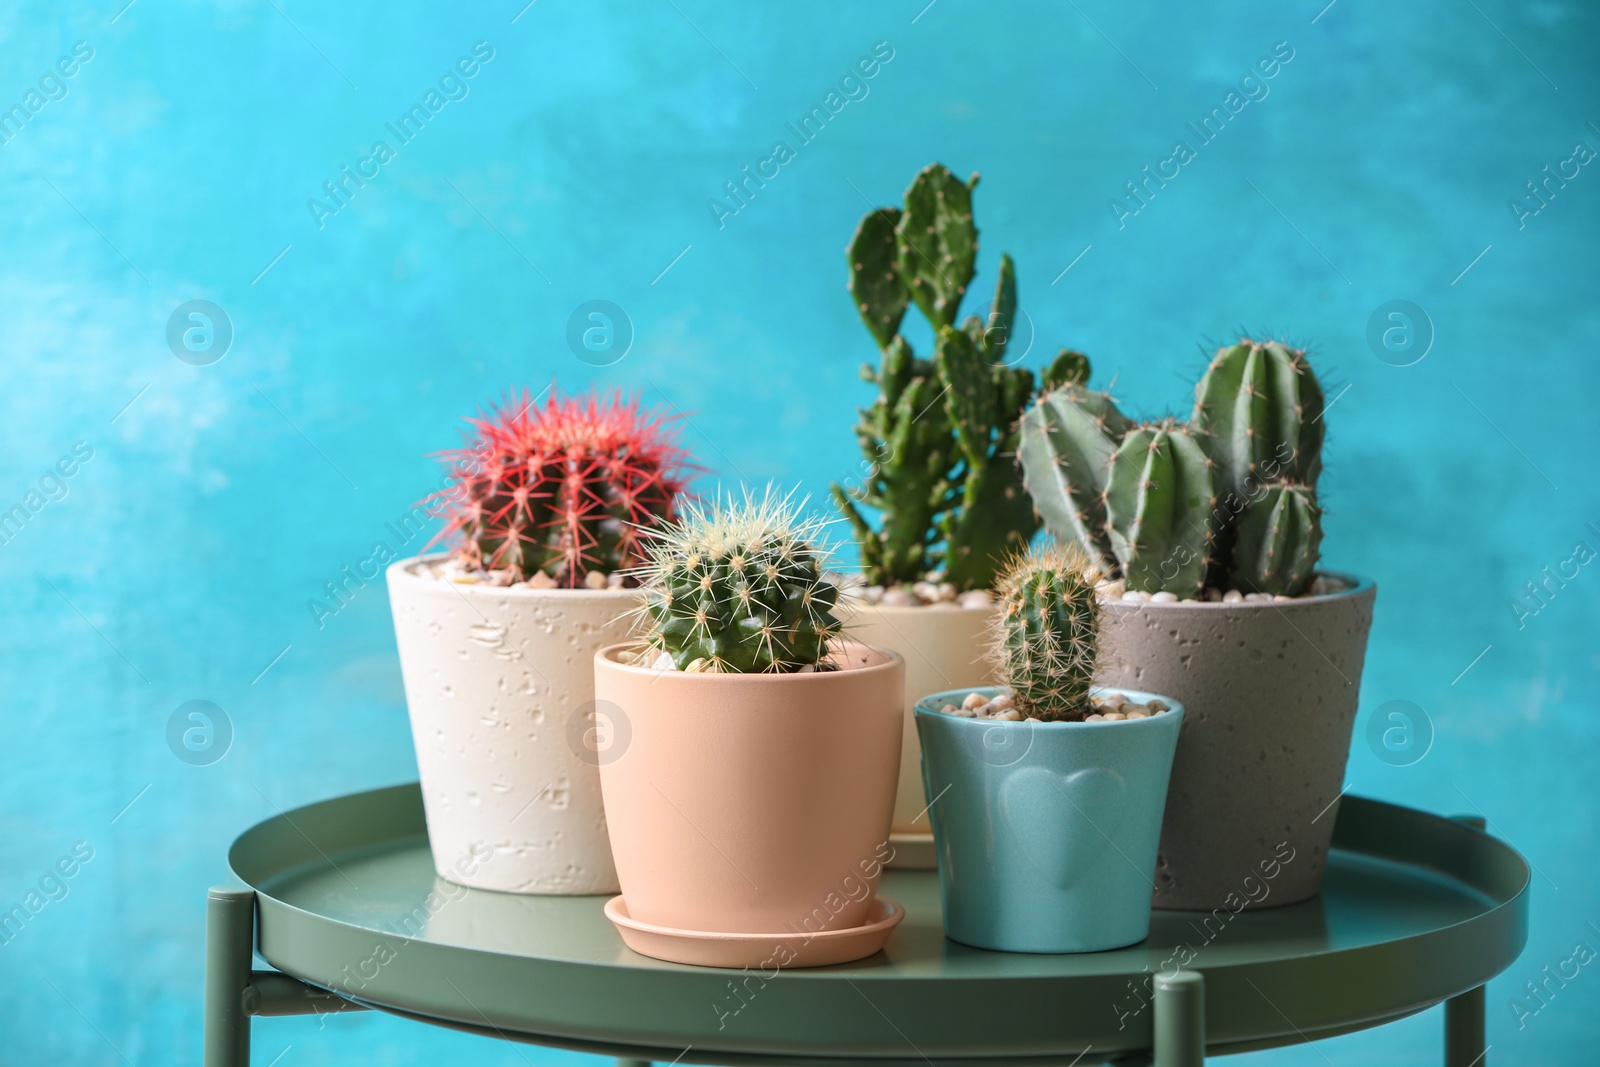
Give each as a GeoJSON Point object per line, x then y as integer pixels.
{"type": "Point", "coordinates": [500, 686]}
{"type": "Point", "coordinates": [944, 648]}
{"type": "Point", "coordinates": [1270, 696]}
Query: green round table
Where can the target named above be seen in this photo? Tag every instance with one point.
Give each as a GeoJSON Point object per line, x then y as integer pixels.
{"type": "Point", "coordinates": [341, 899]}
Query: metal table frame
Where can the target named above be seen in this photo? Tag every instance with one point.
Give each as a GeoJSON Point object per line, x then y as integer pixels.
{"type": "Point", "coordinates": [236, 992]}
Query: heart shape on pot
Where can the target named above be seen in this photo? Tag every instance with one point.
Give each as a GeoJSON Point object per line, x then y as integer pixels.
{"type": "Point", "coordinates": [1064, 823]}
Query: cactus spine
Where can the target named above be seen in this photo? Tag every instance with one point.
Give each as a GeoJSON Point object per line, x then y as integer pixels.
{"type": "Point", "coordinates": [1046, 636]}
{"type": "Point", "coordinates": [738, 588]}
{"type": "Point", "coordinates": [939, 439]}
{"type": "Point", "coordinates": [1229, 498]}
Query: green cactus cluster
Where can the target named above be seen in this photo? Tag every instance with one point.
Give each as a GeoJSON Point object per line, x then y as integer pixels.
{"type": "Point", "coordinates": [738, 587]}
{"type": "Point", "coordinates": [939, 440]}
{"type": "Point", "coordinates": [1046, 636]}
{"type": "Point", "coordinates": [1227, 499]}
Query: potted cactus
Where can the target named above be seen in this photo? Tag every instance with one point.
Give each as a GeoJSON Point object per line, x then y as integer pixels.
{"type": "Point", "coordinates": [750, 808]}
{"type": "Point", "coordinates": [1046, 793]}
{"type": "Point", "coordinates": [544, 510]}
{"type": "Point", "coordinates": [1211, 530]}
{"type": "Point", "coordinates": [939, 444]}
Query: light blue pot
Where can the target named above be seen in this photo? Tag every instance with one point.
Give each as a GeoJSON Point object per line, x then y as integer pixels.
{"type": "Point", "coordinates": [1046, 833]}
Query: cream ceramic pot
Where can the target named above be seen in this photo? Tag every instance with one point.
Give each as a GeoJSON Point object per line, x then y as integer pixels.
{"type": "Point", "coordinates": [943, 648]}
{"type": "Point", "coordinates": [500, 687]}
{"type": "Point", "coordinates": [751, 803]}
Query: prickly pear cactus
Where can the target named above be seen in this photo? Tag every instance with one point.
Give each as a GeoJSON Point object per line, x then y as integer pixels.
{"type": "Point", "coordinates": [905, 437]}
{"type": "Point", "coordinates": [875, 283]}
{"type": "Point", "coordinates": [994, 517]}
{"type": "Point", "coordinates": [1158, 510]}
{"type": "Point", "coordinates": [1277, 540]}
{"type": "Point", "coordinates": [940, 440]}
{"type": "Point", "coordinates": [738, 588]}
{"type": "Point", "coordinates": [1067, 440]}
{"type": "Point", "coordinates": [1259, 410]}
{"type": "Point", "coordinates": [938, 242]}
{"type": "Point", "coordinates": [1068, 368]}
{"type": "Point", "coordinates": [1046, 637]}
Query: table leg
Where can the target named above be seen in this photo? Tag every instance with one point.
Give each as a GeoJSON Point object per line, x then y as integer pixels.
{"type": "Point", "coordinates": [1180, 1021]}
{"type": "Point", "coordinates": [230, 936]}
{"type": "Point", "coordinates": [1463, 1029]}
{"type": "Point", "coordinates": [1463, 1015]}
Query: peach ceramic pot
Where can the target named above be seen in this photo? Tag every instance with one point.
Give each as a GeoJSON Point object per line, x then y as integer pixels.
{"type": "Point", "coordinates": [751, 803]}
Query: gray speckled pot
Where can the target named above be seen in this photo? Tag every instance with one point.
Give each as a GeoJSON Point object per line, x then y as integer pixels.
{"type": "Point", "coordinates": [1271, 696]}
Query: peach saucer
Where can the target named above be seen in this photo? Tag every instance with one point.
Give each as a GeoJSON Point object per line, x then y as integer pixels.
{"type": "Point", "coordinates": [774, 952]}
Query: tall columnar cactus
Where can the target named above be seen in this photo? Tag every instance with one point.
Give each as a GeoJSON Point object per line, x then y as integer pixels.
{"type": "Point", "coordinates": [1259, 408]}
{"type": "Point", "coordinates": [940, 437]}
{"type": "Point", "coordinates": [1275, 545]}
{"type": "Point", "coordinates": [564, 490]}
{"type": "Point", "coordinates": [1228, 499]}
{"type": "Point", "coordinates": [739, 588]}
{"type": "Point", "coordinates": [1067, 441]}
{"type": "Point", "coordinates": [1158, 504]}
{"type": "Point", "coordinates": [1046, 637]}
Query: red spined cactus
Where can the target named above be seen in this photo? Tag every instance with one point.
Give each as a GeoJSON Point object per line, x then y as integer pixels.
{"type": "Point", "coordinates": [565, 490]}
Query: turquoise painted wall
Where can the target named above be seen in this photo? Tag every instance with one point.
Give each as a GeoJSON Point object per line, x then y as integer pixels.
{"type": "Point", "coordinates": [209, 503]}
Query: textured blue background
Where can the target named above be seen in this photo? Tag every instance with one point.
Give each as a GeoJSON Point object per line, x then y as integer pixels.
{"type": "Point", "coordinates": [581, 164]}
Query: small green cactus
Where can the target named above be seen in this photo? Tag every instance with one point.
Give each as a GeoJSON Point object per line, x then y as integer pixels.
{"type": "Point", "coordinates": [940, 439]}
{"type": "Point", "coordinates": [1158, 504]}
{"type": "Point", "coordinates": [1276, 542]}
{"type": "Point", "coordinates": [1228, 499]}
{"type": "Point", "coordinates": [738, 588]}
{"type": "Point", "coordinates": [1046, 636]}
